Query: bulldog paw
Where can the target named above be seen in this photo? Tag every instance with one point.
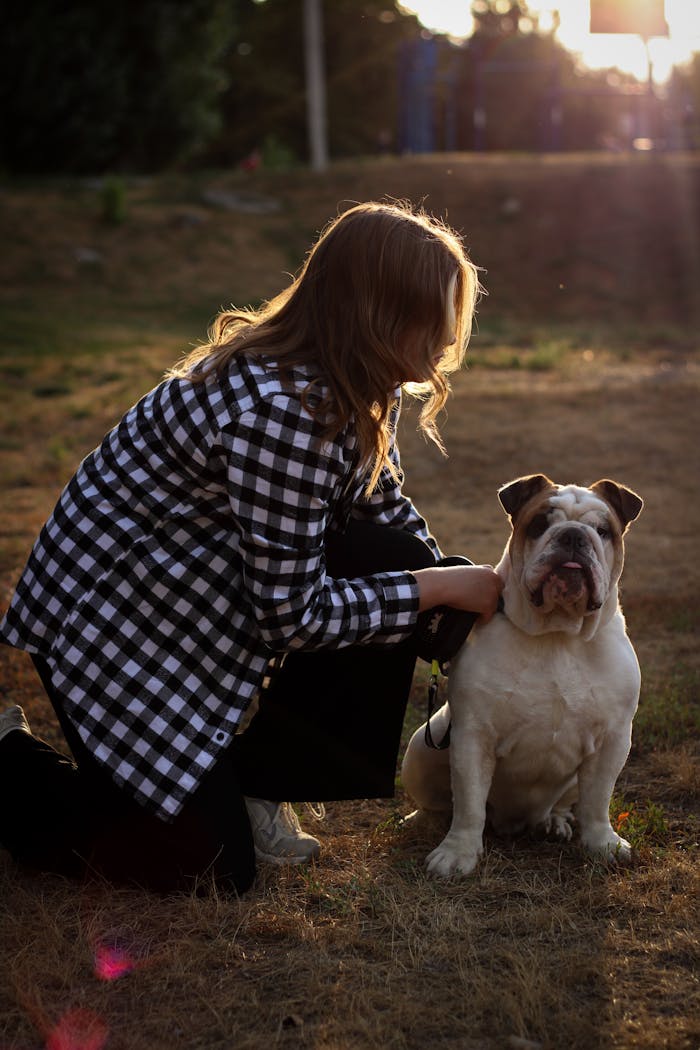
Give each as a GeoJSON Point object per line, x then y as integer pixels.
{"type": "Point", "coordinates": [558, 826]}
{"type": "Point", "coordinates": [611, 848]}
{"type": "Point", "coordinates": [453, 858]}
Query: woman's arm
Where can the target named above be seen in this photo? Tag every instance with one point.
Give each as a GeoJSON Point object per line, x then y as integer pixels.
{"type": "Point", "coordinates": [473, 588]}
{"type": "Point", "coordinates": [282, 484]}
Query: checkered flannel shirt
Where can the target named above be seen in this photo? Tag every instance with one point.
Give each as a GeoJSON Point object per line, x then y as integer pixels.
{"type": "Point", "coordinates": [186, 550]}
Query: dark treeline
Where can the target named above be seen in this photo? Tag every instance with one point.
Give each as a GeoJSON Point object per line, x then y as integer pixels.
{"type": "Point", "coordinates": [145, 84]}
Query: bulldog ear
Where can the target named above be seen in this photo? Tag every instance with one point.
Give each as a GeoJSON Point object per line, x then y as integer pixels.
{"type": "Point", "coordinates": [516, 493]}
{"type": "Point", "coordinates": [626, 503]}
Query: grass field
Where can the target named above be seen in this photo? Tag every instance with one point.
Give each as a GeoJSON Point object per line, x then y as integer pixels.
{"type": "Point", "coordinates": [586, 364]}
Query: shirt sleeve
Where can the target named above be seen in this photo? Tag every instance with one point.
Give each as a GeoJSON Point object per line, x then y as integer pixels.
{"type": "Point", "coordinates": [388, 505]}
{"type": "Point", "coordinates": [283, 484]}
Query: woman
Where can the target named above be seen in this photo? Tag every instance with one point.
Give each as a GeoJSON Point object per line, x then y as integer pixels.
{"type": "Point", "coordinates": [247, 508]}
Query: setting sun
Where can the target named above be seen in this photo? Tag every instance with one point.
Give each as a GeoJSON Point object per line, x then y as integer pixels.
{"type": "Point", "coordinates": [596, 50]}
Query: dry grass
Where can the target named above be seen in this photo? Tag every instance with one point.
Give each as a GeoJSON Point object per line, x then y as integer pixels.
{"type": "Point", "coordinates": [364, 951]}
{"type": "Point", "coordinates": [542, 946]}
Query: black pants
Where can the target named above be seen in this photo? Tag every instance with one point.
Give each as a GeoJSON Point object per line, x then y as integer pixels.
{"type": "Point", "coordinates": [327, 728]}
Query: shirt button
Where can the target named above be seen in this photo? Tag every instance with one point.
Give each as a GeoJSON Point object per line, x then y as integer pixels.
{"type": "Point", "coordinates": [220, 737]}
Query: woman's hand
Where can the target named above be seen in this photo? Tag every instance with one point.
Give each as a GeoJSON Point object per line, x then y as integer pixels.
{"type": "Point", "coordinates": [473, 588]}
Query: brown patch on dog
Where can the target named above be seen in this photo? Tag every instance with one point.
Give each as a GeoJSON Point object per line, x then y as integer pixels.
{"type": "Point", "coordinates": [626, 503]}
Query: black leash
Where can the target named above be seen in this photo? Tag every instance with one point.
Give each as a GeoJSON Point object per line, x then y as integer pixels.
{"type": "Point", "coordinates": [432, 707]}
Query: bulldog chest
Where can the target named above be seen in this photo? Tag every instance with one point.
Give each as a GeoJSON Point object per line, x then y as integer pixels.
{"type": "Point", "coordinates": [544, 704]}
{"type": "Point", "coordinates": [553, 716]}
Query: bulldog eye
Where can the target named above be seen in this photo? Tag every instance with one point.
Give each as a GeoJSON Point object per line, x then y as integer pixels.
{"type": "Point", "coordinates": [537, 527]}
{"type": "Point", "coordinates": [603, 531]}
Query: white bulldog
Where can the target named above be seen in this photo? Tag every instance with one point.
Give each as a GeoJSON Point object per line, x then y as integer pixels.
{"type": "Point", "coordinates": [542, 697]}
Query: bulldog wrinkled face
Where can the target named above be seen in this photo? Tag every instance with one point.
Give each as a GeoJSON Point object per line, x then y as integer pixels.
{"type": "Point", "coordinates": [569, 551]}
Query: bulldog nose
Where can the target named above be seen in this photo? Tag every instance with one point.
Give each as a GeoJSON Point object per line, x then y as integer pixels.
{"type": "Point", "coordinates": [573, 539]}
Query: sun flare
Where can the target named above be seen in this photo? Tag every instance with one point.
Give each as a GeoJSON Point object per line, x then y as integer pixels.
{"type": "Point", "coordinates": [595, 50]}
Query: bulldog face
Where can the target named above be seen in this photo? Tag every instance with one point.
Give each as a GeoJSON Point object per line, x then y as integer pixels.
{"type": "Point", "coordinates": [565, 555]}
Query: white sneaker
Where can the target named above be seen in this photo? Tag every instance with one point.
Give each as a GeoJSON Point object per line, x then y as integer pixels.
{"type": "Point", "coordinates": [13, 719]}
{"type": "Point", "coordinates": [277, 833]}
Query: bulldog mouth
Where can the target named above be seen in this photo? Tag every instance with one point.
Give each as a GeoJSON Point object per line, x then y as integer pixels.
{"type": "Point", "coordinates": [566, 584]}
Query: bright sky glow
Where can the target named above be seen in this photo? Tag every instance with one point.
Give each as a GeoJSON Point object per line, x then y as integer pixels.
{"type": "Point", "coordinates": [597, 51]}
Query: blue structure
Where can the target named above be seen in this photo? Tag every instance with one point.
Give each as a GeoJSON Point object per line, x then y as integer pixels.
{"type": "Point", "coordinates": [417, 76]}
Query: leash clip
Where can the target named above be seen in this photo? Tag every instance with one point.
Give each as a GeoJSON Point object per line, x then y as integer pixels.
{"type": "Point", "coordinates": [433, 686]}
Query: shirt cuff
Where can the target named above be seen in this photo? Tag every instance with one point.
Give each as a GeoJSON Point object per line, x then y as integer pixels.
{"type": "Point", "coordinates": [400, 601]}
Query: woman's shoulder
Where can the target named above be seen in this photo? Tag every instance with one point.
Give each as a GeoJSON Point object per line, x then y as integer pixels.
{"type": "Point", "coordinates": [253, 381]}
{"type": "Point", "coordinates": [250, 383]}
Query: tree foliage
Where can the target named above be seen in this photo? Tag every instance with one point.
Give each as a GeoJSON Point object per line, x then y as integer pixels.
{"type": "Point", "coordinates": [684, 99]}
{"type": "Point", "coordinates": [129, 85]}
{"type": "Point", "coordinates": [266, 100]}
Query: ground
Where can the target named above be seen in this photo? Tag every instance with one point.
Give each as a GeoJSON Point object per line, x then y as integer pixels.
{"type": "Point", "coordinates": [584, 365]}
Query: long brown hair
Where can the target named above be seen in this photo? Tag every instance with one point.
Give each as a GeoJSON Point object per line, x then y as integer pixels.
{"type": "Point", "coordinates": [377, 277]}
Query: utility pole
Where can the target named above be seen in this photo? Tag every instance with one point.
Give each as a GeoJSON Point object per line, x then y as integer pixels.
{"type": "Point", "coordinates": [315, 84]}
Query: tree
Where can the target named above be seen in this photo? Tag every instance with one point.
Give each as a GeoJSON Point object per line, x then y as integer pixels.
{"type": "Point", "coordinates": [684, 105]}
{"type": "Point", "coordinates": [509, 73]}
{"type": "Point", "coordinates": [363, 44]}
{"type": "Point", "coordinates": [90, 87]}
{"type": "Point", "coordinates": [520, 89]}
{"type": "Point", "coordinates": [265, 102]}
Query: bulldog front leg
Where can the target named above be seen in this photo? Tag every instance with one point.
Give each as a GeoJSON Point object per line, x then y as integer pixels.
{"type": "Point", "coordinates": [597, 777]}
{"type": "Point", "coordinates": [472, 764]}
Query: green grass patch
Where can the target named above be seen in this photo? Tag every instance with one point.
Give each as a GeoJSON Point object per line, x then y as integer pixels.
{"type": "Point", "coordinates": [113, 201]}
{"type": "Point", "coordinates": [29, 334]}
{"type": "Point", "coordinates": [65, 332]}
{"type": "Point", "coordinates": [669, 713]}
{"type": "Point", "coordinates": [542, 356]}
{"type": "Point", "coordinates": [641, 823]}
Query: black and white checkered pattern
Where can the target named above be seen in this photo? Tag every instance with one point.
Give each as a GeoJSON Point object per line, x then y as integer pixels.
{"type": "Point", "coordinates": [186, 550]}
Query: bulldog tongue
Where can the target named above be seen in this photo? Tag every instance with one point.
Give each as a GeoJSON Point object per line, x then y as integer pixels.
{"type": "Point", "coordinates": [571, 565]}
